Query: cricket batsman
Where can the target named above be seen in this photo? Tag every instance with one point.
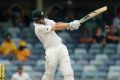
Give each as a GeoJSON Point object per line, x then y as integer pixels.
{"type": "Point", "coordinates": [56, 52]}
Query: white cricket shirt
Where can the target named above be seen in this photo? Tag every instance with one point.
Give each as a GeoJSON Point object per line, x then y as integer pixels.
{"type": "Point", "coordinates": [24, 76]}
{"type": "Point", "coordinates": [46, 36]}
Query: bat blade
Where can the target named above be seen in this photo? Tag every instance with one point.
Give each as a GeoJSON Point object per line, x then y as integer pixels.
{"type": "Point", "coordinates": [93, 14]}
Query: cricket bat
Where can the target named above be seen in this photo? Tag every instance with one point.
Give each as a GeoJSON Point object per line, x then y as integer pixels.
{"type": "Point", "coordinates": [93, 14]}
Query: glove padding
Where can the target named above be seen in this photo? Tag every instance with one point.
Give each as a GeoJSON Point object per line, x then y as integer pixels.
{"type": "Point", "coordinates": [74, 25]}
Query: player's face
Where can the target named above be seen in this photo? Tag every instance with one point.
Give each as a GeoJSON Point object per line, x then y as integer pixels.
{"type": "Point", "coordinates": [8, 38]}
{"type": "Point", "coordinates": [41, 21]}
{"type": "Point", "coordinates": [20, 71]}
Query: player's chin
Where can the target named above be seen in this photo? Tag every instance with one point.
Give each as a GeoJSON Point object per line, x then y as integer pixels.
{"type": "Point", "coordinates": [42, 20]}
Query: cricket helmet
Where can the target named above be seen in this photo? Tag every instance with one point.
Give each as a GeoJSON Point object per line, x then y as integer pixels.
{"type": "Point", "coordinates": [37, 14]}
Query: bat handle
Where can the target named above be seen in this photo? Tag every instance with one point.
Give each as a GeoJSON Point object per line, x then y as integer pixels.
{"type": "Point", "coordinates": [82, 21]}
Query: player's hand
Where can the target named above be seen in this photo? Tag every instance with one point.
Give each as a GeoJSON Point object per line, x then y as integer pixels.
{"type": "Point", "coordinates": [74, 25]}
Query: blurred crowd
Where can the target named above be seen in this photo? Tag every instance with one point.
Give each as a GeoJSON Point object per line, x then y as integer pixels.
{"type": "Point", "coordinates": [107, 34]}
{"type": "Point", "coordinates": [16, 15]}
{"type": "Point", "coordinates": [10, 51]}
{"type": "Point", "coordinates": [20, 74]}
{"type": "Point", "coordinates": [67, 13]}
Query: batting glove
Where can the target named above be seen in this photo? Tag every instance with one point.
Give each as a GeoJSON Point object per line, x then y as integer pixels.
{"type": "Point", "coordinates": [74, 25]}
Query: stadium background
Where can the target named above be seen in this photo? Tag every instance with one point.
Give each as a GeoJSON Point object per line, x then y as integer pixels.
{"type": "Point", "coordinates": [91, 60]}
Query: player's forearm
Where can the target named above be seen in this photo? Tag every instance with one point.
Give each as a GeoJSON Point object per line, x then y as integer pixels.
{"type": "Point", "coordinates": [60, 26]}
{"type": "Point", "coordinates": [71, 26]}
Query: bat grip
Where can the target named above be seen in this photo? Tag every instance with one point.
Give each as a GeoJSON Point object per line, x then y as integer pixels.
{"type": "Point", "coordinates": [82, 20]}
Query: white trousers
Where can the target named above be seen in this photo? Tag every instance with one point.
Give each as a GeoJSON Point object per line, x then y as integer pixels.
{"type": "Point", "coordinates": [58, 55]}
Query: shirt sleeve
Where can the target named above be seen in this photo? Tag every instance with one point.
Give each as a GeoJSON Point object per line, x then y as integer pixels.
{"type": "Point", "coordinates": [42, 28]}
{"type": "Point", "coordinates": [27, 53]}
{"type": "Point", "coordinates": [52, 22]}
